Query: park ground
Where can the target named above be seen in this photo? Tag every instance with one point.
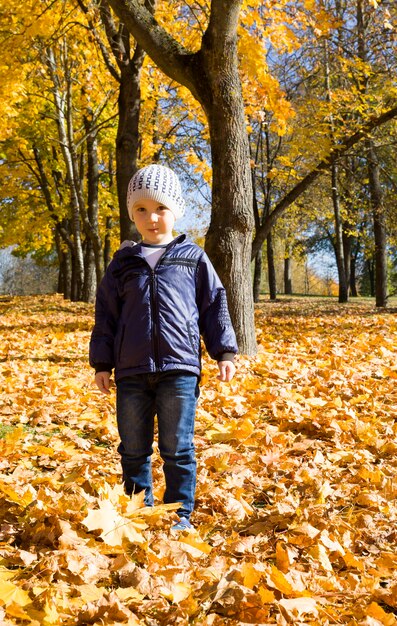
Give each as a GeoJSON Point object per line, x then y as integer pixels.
{"type": "Point", "coordinates": [296, 496]}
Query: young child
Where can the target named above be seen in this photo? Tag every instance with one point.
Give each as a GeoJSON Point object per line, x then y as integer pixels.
{"type": "Point", "coordinates": [155, 300]}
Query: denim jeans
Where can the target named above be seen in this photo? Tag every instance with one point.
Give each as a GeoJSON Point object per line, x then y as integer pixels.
{"type": "Point", "coordinates": [173, 398]}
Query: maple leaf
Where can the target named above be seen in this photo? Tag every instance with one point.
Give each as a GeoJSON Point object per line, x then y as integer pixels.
{"type": "Point", "coordinates": [115, 528]}
{"type": "Point", "coordinates": [11, 593]}
{"type": "Point", "coordinates": [107, 610]}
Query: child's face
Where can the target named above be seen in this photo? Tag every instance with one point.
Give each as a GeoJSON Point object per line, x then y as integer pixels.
{"type": "Point", "coordinates": [153, 221]}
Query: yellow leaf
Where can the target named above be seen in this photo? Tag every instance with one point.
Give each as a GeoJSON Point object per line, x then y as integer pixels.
{"type": "Point", "coordinates": [12, 496]}
{"type": "Point", "coordinates": [372, 476]}
{"type": "Point", "coordinates": [319, 553]}
{"type": "Point", "coordinates": [324, 491]}
{"type": "Point", "coordinates": [115, 528]}
{"type": "Point", "coordinates": [51, 615]}
{"type": "Point", "coordinates": [6, 574]}
{"type": "Point", "coordinates": [316, 401]}
{"type": "Point", "coordinates": [266, 595]}
{"type": "Point", "coordinates": [11, 593]}
{"type": "Point", "coordinates": [127, 594]}
{"type": "Point", "coordinates": [279, 581]}
{"type": "Point", "coordinates": [352, 561]}
{"type": "Point", "coordinates": [191, 539]}
{"type": "Point", "coordinates": [376, 611]}
{"type": "Point", "coordinates": [177, 592]}
{"type": "Point", "coordinates": [282, 557]}
{"type": "Point", "coordinates": [331, 544]}
{"type": "Point", "coordinates": [251, 575]}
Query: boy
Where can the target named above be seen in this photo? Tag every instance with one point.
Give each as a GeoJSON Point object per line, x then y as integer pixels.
{"type": "Point", "coordinates": [155, 300]}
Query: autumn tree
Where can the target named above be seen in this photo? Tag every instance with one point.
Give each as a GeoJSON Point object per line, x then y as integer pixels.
{"type": "Point", "coordinates": [336, 99]}
{"type": "Point", "coordinates": [60, 163]}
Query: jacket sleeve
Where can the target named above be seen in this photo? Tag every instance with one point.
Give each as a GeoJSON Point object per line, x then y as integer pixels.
{"type": "Point", "coordinates": [214, 319]}
{"type": "Point", "coordinates": [107, 311]}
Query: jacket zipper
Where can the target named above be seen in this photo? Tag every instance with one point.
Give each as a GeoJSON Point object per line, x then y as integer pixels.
{"type": "Point", "coordinates": [155, 336]}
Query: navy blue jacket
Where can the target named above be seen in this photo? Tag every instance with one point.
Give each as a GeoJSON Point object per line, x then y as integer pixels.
{"type": "Point", "coordinates": [151, 320]}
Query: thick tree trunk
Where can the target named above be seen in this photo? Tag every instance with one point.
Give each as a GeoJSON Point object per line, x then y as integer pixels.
{"type": "Point", "coordinates": [229, 237]}
{"type": "Point", "coordinates": [380, 235]}
{"type": "Point", "coordinates": [65, 275]}
{"type": "Point", "coordinates": [109, 219]}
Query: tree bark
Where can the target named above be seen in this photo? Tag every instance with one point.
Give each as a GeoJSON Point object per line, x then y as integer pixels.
{"type": "Point", "coordinates": [371, 276]}
{"type": "Point", "coordinates": [257, 282]}
{"type": "Point", "coordinates": [288, 273]}
{"type": "Point", "coordinates": [353, 277]}
{"type": "Point", "coordinates": [211, 74]}
{"type": "Point", "coordinates": [271, 268]}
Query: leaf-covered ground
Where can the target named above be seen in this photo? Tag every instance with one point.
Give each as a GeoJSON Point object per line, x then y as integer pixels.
{"type": "Point", "coordinates": [296, 500]}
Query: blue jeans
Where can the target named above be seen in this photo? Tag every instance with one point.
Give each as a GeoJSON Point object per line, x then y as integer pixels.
{"type": "Point", "coordinates": [173, 398]}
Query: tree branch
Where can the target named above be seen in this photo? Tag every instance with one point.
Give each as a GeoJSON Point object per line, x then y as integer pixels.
{"type": "Point", "coordinates": [105, 55]}
{"type": "Point", "coordinates": [170, 56]}
{"type": "Point", "coordinates": [339, 150]}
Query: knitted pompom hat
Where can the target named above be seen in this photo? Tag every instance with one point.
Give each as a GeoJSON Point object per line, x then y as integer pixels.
{"type": "Point", "coordinates": [156, 182]}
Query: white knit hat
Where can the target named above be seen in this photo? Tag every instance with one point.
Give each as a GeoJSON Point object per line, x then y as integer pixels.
{"type": "Point", "coordinates": [156, 182]}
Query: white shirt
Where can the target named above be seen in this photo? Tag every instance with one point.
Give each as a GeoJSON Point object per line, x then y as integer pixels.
{"type": "Point", "coordinates": [153, 252]}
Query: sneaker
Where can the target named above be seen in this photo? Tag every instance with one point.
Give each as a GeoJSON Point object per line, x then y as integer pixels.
{"type": "Point", "coordinates": [183, 524]}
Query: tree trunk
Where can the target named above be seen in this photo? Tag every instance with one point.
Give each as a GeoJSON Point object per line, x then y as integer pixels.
{"type": "Point", "coordinates": [339, 252]}
{"type": "Point", "coordinates": [371, 275]}
{"type": "Point", "coordinates": [212, 76]}
{"type": "Point", "coordinates": [229, 237]}
{"type": "Point", "coordinates": [347, 241]}
{"type": "Point", "coordinates": [353, 277]}
{"type": "Point", "coordinates": [288, 273]}
{"type": "Point", "coordinates": [109, 219]}
{"type": "Point", "coordinates": [63, 107]}
{"type": "Point", "coordinates": [271, 268]}
{"type": "Point", "coordinates": [90, 282]}
{"type": "Point", "coordinates": [380, 235]}
{"type": "Point", "coordinates": [127, 140]}
{"type": "Point", "coordinates": [106, 247]}
{"type": "Point", "coordinates": [257, 282]}
{"type": "Point", "coordinates": [90, 218]}
{"type": "Point", "coordinates": [129, 108]}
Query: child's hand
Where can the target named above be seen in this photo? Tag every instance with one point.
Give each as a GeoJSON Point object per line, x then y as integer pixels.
{"type": "Point", "coordinates": [227, 369]}
{"type": "Point", "coordinates": [102, 380]}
